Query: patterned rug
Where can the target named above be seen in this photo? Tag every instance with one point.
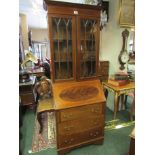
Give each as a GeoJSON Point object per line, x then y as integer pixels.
{"type": "Point", "coordinates": [47, 139]}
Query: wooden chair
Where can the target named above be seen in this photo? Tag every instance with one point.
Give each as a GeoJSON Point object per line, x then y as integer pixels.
{"type": "Point", "coordinates": [45, 105]}
{"type": "Point", "coordinates": [45, 95]}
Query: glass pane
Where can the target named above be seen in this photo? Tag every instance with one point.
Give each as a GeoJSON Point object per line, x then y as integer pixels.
{"type": "Point", "coordinates": [88, 48]}
{"type": "Point", "coordinates": [62, 47]}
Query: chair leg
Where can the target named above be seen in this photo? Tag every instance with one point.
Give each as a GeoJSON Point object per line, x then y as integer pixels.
{"type": "Point", "coordinates": [39, 118]}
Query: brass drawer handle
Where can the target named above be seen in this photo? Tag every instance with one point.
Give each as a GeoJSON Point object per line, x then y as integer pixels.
{"type": "Point", "coordinates": [66, 141]}
{"type": "Point", "coordinates": [94, 110]}
{"type": "Point", "coordinates": [94, 134]}
{"type": "Point", "coordinates": [68, 115]}
{"type": "Point", "coordinates": [69, 141]}
{"type": "Point", "coordinates": [68, 128]}
{"type": "Point", "coordinates": [72, 139]}
{"type": "Point", "coordinates": [95, 123]}
{"type": "Point", "coordinates": [65, 116]}
{"type": "Point", "coordinates": [97, 132]}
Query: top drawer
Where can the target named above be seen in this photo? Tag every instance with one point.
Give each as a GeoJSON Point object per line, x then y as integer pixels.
{"type": "Point", "coordinates": [27, 88]}
{"type": "Point", "coordinates": [82, 111]}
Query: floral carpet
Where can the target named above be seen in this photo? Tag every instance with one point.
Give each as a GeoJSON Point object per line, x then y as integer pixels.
{"type": "Point", "coordinates": [47, 139]}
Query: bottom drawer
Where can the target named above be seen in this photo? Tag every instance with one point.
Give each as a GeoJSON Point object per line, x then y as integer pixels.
{"type": "Point", "coordinates": [68, 140]}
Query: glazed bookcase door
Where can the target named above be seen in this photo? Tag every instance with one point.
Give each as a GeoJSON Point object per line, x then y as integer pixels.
{"type": "Point", "coordinates": [88, 47]}
{"type": "Point", "coordinates": [62, 47]}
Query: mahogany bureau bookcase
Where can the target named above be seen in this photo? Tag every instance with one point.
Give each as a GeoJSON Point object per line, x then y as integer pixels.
{"type": "Point", "coordinates": [78, 98]}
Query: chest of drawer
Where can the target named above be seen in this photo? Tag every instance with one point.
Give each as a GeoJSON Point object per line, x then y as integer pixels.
{"type": "Point", "coordinates": [80, 112]}
{"type": "Point", "coordinates": [68, 140]}
{"type": "Point", "coordinates": [80, 125]}
{"type": "Point", "coordinates": [27, 98]}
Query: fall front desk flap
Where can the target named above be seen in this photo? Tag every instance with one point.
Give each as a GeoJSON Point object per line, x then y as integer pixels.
{"type": "Point", "coordinates": [71, 94]}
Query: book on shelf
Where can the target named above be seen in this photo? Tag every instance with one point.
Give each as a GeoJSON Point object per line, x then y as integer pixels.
{"type": "Point", "coordinates": [118, 82]}
{"type": "Point", "coordinates": [119, 77]}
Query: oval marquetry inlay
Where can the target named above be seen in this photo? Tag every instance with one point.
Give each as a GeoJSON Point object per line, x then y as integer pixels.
{"type": "Point", "coordinates": [78, 93]}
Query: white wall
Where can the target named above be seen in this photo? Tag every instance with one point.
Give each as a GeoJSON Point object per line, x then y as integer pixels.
{"type": "Point", "coordinates": [111, 38]}
{"type": "Point", "coordinates": [24, 30]}
{"type": "Point", "coordinates": [39, 35]}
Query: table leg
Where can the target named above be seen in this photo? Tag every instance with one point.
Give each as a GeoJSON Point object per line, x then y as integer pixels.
{"type": "Point", "coordinates": [126, 96]}
{"type": "Point", "coordinates": [122, 101]}
{"type": "Point", "coordinates": [115, 104]}
{"type": "Point", "coordinates": [106, 93]}
{"type": "Point", "coordinates": [132, 109]}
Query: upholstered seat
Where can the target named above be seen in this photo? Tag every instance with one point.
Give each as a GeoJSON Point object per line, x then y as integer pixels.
{"type": "Point", "coordinates": [45, 105]}
{"type": "Point", "coordinates": [45, 95]}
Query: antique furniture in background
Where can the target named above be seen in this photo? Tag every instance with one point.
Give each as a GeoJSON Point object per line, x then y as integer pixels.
{"type": "Point", "coordinates": [23, 72]}
{"type": "Point", "coordinates": [118, 90]}
{"type": "Point", "coordinates": [38, 72]}
{"type": "Point", "coordinates": [26, 92]}
{"type": "Point", "coordinates": [103, 72]}
{"type": "Point", "coordinates": [124, 55]}
{"type": "Point", "coordinates": [74, 40]}
{"type": "Point", "coordinates": [28, 57]}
